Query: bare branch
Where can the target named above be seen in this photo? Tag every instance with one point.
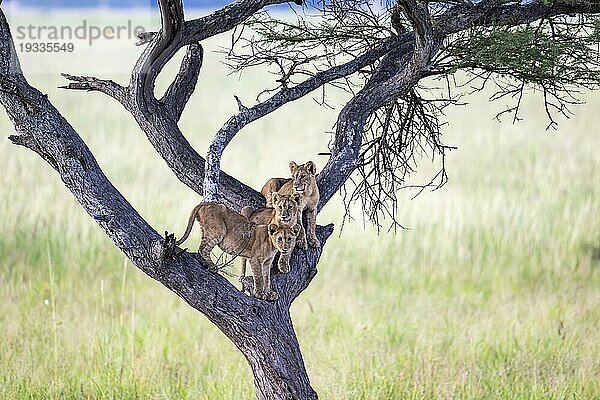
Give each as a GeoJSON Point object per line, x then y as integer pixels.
{"type": "Point", "coordinates": [225, 19]}
{"type": "Point", "coordinates": [175, 33]}
{"type": "Point", "coordinates": [241, 106]}
{"type": "Point", "coordinates": [166, 138]}
{"type": "Point", "coordinates": [182, 87]}
{"type": "Point", "coordinates": [90, 84]}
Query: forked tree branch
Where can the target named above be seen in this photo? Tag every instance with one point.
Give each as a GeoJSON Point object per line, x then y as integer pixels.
{"type": "Point", "coordinates": [142, 104]}
{"type": "Point", "coordinates": [262, 330]}
{"type": "Point", "coordinates": [158, 119]}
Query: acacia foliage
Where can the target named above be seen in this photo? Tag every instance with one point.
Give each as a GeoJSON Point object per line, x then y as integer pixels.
{"type": "Point", "coordinates": [555, 58]}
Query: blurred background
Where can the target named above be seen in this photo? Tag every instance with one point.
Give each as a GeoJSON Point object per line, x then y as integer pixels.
{"type": "Point", "coordinates": [493, 291]}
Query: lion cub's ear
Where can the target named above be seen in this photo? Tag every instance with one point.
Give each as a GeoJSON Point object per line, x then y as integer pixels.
{"type": "Point", "coordinates": [293, 167]}
{"type": "Point", "coordinates": [296, 198]}
{"type": "Point", "coordinates": [310, 167]}
{"type": "Point", "coordinates": [275, 198]}
{"type": "Point", "coordinates": [272, 229]}
{"type": "Point", "coordinates": [296, 229]}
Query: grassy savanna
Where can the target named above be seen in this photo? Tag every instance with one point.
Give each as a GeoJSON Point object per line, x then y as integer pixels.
{"type": "Point", "coordinates": [494, 292]}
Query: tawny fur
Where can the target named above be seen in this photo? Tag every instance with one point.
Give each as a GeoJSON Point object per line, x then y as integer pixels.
{"type": "Point", "coordinates": [283, 213]}
{"type": "Point", "coordinates": [303, 183]}
{"type": "Point", "coordinates": [237, 236]}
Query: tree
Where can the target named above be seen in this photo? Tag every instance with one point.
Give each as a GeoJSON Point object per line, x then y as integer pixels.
{"type": "Point", "coordinates": [389, 57]}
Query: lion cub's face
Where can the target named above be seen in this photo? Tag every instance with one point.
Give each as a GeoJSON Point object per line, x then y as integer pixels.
{"type": "Point", "coordinates": [302, 175]}
{"type": "Point", "coordinates": [286, 207]}
{"type": "Point", "coordinates": [283, 237]}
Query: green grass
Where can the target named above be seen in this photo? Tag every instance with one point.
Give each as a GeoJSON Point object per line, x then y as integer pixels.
{"type": "Point", "coordinates": [494, 292]}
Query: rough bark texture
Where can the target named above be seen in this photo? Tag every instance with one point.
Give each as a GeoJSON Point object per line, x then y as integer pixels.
{"type": "Point", "coordinates": [262, 331]}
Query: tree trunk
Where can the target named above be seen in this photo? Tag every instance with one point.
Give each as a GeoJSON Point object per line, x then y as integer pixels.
{"type": "Point", "coordinates": [275, 358]}
{"type": "Point", "coordinates": [269, 343]}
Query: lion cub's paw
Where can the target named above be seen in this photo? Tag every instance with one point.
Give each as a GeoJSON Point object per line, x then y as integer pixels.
{"type": "Point", "coordinates": [314, 242]}
{"type": "Point", "coordinates": [302, 243]}
{"type": "Point", "coordinates": [283, 267]}
{"type": "Point", "coordinates": [271, 296]}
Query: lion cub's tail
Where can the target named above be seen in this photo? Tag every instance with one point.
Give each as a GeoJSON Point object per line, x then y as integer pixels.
{"type": "Point", "coordinates": [189, 225]}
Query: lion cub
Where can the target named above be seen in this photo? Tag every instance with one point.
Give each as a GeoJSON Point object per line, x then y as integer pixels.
{"type": "Point", "coordinates": [304, 184]}
{"type": "Point", "coordinates": [237, 236]}
{"type": "Point", "coordinates": [284, 213]}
